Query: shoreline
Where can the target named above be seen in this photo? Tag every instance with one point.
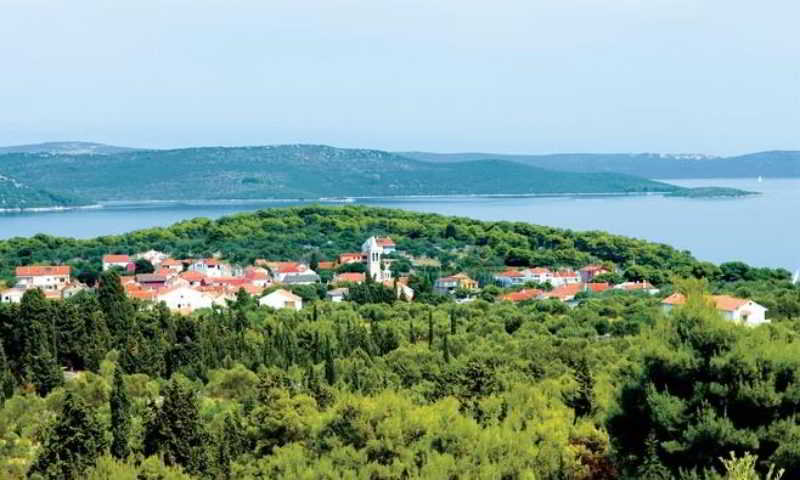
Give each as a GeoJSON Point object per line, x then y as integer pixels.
{"type": "Point", "coordinates": [355, 198]}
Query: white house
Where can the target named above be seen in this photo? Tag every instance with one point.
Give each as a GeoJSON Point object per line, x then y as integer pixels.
{"type": "Point", "coordinates": [281, 299]}
{"type": "Point", "coordinates": [111, 261]}
{"type": "Point", "coordinates": [337, 294]}
{"type": "Point", "coordinates": [44, 277]}
{"type": "Point", "coordinates": [12, 295]}
{"type": "Point", "coordinates": [740, 310]}
{"type": "Point", "coordinates": [153, 256]}
{"type": "Point", "coordinates": [210, 267]}
{"type": "Point", "coordinates": [185, 299]}
{"type": "Point", "coordinates": [565, 277]}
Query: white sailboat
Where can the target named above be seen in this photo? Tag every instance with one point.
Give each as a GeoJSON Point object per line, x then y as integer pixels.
{"type": "Point", "coordinates": [760, 179]}
{"type": "Point", "coordinates": [796, 277]}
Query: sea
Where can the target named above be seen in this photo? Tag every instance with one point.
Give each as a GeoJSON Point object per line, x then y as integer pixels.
{"type": "Point", "coordinates": [761, 230]}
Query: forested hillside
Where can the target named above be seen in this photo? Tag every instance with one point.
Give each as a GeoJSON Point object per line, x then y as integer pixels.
{"type": "Point", "coordinates": [15, 195]}
{"type": "Point", "coordinates": [294, 171]}
{"type": "Point", "coordinates": [613, 388]}
{"type": "Point", "coordinates": [649, 165]}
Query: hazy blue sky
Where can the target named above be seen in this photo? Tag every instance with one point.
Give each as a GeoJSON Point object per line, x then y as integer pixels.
{"type": "Point", "coordinates": [716, 76]}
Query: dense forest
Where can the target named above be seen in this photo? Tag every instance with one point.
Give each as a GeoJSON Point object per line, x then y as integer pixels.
{"type": "Point", "coordinates": [295, 171]}
{"type": "Point", "coordinates": [99, 386]}
{"type": "Point", "coordinates": [15, 195]}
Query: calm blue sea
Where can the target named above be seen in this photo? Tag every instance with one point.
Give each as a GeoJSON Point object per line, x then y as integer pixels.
{"type": "Point", "coordinates": [762, 230]}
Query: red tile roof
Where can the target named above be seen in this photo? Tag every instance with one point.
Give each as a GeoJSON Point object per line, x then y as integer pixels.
{"type": "Point", "coordinates": [522, 295]}
{"type": "Point", "coordinates": [594, 268]}
{"type": "Point", "coordinates": [327, 265]}
{"type": "Point", "coordinates": [726, 303]}
{"type": "Point", "coordinates": [42, 270]}
{"type": "Point", "coordinates": [510, 273]}
{"type": "Point", "coordinates": [116, 258]}
{"type": "Point", "coordinates": [350, 257]}
{"type": "Point", "coordinates": [351, 277]}
{"type": "Point", "coordinates": [598, 287]}
{"type": "Point", "coordinates": [192, 276]}
{"type": "Point", "coordinates": [385, 241]}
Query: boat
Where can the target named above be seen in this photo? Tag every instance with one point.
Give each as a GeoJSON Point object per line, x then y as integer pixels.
{"type": "Point", "coordinates": [796, 277]}
{"type": "Point", "coordinates": [760, 179]}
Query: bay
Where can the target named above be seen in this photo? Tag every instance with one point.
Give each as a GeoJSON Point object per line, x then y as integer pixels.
{"type": "Point", "coordinates": [761, 230]}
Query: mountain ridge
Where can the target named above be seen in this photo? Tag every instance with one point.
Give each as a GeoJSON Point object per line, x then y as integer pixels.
{"type": "Point", "coordinates": [771, 163]}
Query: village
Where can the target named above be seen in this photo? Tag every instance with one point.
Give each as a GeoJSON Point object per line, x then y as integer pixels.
{"type": "Point", "coordinates": [187, 285]}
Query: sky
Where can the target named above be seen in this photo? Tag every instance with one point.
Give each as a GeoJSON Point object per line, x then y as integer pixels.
{"type": "Point", "coordinates": [506, 76]}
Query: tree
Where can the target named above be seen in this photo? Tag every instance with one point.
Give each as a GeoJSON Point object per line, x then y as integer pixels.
{"type": "Point", "coordinates": [72, 445]}
{"type": "Point", "coordinates": [430, 329]}
{"type": "Point", "coordinates": [143, 265]}
{"type": "Point", "coordinates": [445, 349]}
{"type": "Point", "coordinates": [314, 262]}
{"type": "Point", "coordinates": [120, 416]}
{"type": "Point", "coordinates": [174, 430]}
{"type": "Point", "coordinates": [6, 377]}
{"type": "Point", "coordinates": [583, 400]}
{"type": "Point", "coordinates": [330, 365]}
{"type": "Point", "coordinates": [117, 308]}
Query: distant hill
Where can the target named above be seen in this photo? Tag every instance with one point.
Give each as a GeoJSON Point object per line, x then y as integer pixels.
{"type": "Point", "coordinates": [648, 165]}
{"type": "Point", "coordinates": [295, 171]}
{"type": "Point", "coordinates": [15, 195]}
{"type": "Point", "coordinates": [66, 148]}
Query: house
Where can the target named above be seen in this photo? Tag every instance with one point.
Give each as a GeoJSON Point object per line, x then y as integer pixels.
{"type": "Point", "coordinates": [590, 271]}
{"type": "Point", "coordinates": [121, 261]}
{"type": "Point", "coordinates": [637, 286]}
{"type": "Point", "coordinates": [193, 279]}
{"type": "Point", "coordinates": [151, 280]}
{"type": "Point", "coordinates": [326, 266]}
{"type": "Point", "coordinates": [565, 293]}
{"type": "Point", "coordinates": [258, 276]}
{"type": "Point", "coordinates": [348, 258]}
{"type": "Point", "coordinates": [283, 271]}
{"type": "Point", "coordinates": [350, 277]}
{"type": "Point", "coordinates": [46, 277]}
{"type": "Point", "coordinates": [308, 278]}
{"type": "Point", "coordinates": [522, 295]}
{"type": "Point", "coordinates": [175, 266]}
{"type": "Point", "coordinates": [12, 295]}
{"type": "Point", "coordinates": [337, 294]}
{"type": "Point", "coordinates": [446, 285]}
{"type": "Point", "coordinates": [282, 299]}
{"type": "Point", "coordinates": [510, 278]}
{"type": "Point", "coordinates": [387, 244]}
{"type": "Point", "coordinates": [400, 287]}
{"type": "Point", "coordinates": [210, 267]}
{"type": "Point", "coordinates": [73, 288]}
{"type": "Point", "coordinates": [184, 299]}
{"type": "Point", "coordinates": [153, 256]}
{"type": "Point", "coordinates": [740, 310]}
{"type": "Point", "coordinates": [564, 277]}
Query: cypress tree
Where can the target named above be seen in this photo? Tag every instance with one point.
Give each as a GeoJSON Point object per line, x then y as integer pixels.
{"type": "Point", "coordinates": [116, 306]}
{"type": "Point", "coordinates": [72, 445]}
{"type": "Point", "coordinates": [430, 329]}
{"type": "Point", "coordinates": [445, 349]}
{"type": "Point", "coordinates": [43, 371]}
{"type": "Point", "coordinates": [452, 322]}
{"type": "Point", "coordinates": [120, 416]}
{"type": "Point", "coordinates": [314, 315]}
{"type": "Point", "coordinates": [412, 333]}
{"type": "Point", "coordinates": [6, 378]}
{"type": "Point", "coordinates": [330, 365]}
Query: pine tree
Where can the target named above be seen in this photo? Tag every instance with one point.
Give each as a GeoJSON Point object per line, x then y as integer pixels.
{"type": "Point", "coordinates": [72, 445]}
{"type": "Point", "coordinates": [330, 365]}
{"type": "Point", "coordinates": [175, 432]}
{"type": "Point", "coordinates": [120, 416]}
{"type": "Point", "coordinates": [116, 306]}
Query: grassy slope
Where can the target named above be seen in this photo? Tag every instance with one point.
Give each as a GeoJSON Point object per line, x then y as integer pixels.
{"type": "Point", "coordinates": [294, 171]}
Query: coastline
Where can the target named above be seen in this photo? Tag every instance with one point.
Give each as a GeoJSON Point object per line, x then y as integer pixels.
{"type": "Point", "coordinates": [353, 199]}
